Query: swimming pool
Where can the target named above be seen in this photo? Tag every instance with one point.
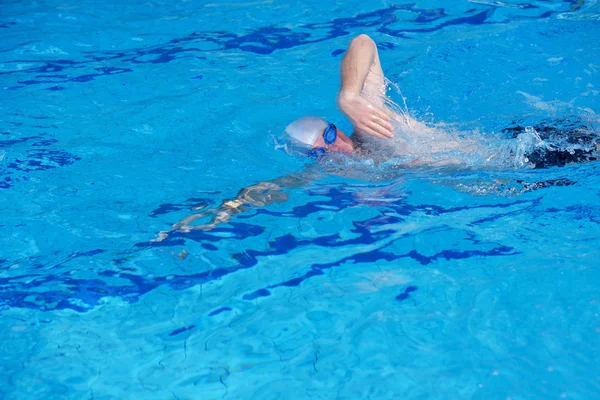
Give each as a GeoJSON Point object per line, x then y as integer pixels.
{"type": "Point", "coordinates": [119, 119]}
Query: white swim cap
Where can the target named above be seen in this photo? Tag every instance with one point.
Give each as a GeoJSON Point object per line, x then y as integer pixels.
{"type": "Point", "coordinates": [306, 129]}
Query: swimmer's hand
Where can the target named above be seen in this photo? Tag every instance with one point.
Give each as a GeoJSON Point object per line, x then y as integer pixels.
{"type": "Point", "coordinates": [364, 116]}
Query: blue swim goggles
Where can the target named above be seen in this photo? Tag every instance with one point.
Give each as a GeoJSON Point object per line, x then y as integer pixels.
{"type": "Point", "coordinates": [329, 135]}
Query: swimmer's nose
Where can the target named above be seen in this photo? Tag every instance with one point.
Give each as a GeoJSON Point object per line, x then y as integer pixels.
{"type": "Point", "coordinates": [343, 143]}
{"type": "Point", "coordinates": [343, 147]}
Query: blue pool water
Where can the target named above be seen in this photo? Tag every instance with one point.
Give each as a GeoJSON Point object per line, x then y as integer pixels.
{"type": "Point", "coordinates": [119, 119]}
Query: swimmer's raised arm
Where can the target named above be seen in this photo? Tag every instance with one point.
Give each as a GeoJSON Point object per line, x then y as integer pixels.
{"type": "Point", "coordinates": [360, 64]}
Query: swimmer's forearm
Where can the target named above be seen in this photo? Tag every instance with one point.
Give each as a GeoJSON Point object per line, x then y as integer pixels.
{"type": "Point", "coordinates": [356, 64]}
{"type": "Point", "coordinates": [356, 67]}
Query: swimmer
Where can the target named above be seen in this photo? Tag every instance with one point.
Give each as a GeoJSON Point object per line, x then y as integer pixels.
{"type": "Point", "coordinates": [362, 98]}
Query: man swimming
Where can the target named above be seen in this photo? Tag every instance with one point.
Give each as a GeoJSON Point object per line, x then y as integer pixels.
{"type": "Point", "coordinates": [385, 132]}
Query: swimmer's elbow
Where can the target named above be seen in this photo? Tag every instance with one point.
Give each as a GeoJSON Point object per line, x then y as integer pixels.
{"type": "Point", "coordinates": [363, 40]}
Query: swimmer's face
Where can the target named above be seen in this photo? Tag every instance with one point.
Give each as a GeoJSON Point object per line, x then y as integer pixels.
{"type": "Point", "coordinates": [342, 144]}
